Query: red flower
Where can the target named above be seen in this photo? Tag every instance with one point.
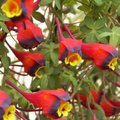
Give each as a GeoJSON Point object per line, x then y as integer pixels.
{"type": "Point", "coordinates": [104, 56]}
{"type": "Point", "coordinates": [54, 103]}
{"type": "Point", "coordinates": [29, 35]}
{"type": "Point", "coordinates": [32, 62]}
{"type": "Point", "coordinates": [5, 100]}
{"type": "Point", "coordinates": [69, 49]}
{"type": "Point", "coordinates": [7, 111]}
{"type": "Point", "coordinates": [110, 107]}
{"type": "Point", "coordinates": [17, 9]}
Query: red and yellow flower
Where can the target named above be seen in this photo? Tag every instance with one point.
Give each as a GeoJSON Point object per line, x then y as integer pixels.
{"type": "Point", "coordinates": [20, 11]}
{"type": "Point", "coordinates": [7, 111]}
{"type": "Point", "coordinates": [18, 8]}
{"type": "Point", "coordinates": [28, 34]}
{"type": "Point", "coordinates": [69, 49]}
{"type": "Point", "coordinates": [32, 62]}
{"type": "Point", "coordinates": [104, 56]}
{"type": "Point", "coordinates": [54, 103]}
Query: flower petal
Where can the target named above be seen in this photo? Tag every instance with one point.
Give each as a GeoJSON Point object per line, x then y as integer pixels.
{"type": "Point", "coordinates": [29, 35]}
{"type": "Point", "coordinates": [5, 100]}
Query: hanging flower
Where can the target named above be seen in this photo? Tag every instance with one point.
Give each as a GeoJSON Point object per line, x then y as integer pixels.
{"type": "Point", "coordinates": [69, 49]}
{"type": "Point", "coordinates": [104, 56]}
{"type": "Point", "coordinates": [7, 111]}
{"type": "Point", "coordinates": [110, 107]}
{"type": "Point", "coordinates": [54, 103]}
{"type": "Point", "coordinates": [32, 62]}
{"type": "Point", "coordinates": [29, 35]}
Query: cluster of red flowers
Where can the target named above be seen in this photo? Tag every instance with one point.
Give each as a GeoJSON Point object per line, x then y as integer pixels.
{"type": "Point", "coordinates": [54, 103]}
{"type": "Point", "coordinates": [110, 107]}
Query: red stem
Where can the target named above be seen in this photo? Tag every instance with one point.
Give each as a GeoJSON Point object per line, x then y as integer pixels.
{"type": "Point", "coordinates": [116, 73]}
{"type": "Point", "coordinates": [36, 4]}
{"type": "Point", "coordinates": [61, 37]}
{"type": "Point", "coordinates": [69, 32]}
{"type": "Point", "coordinates": [20, 116]}
{"type": "Point", "coordinates": [29, 110]}
{"type": "Point", "coordinates": [16, 88]}
{"type": "Point", "coordinates": [10, 47]}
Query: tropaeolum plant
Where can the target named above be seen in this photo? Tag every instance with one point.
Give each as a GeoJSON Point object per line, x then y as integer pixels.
{"type": "Point", "coordinates": [68, 51]}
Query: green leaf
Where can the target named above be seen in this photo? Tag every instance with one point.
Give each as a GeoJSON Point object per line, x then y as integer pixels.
{"type": "Point", "coordinates": [54, 57]}
{"type": "Point", "coordinates": [115, 36]}
{"type": "Point", "coordinates": [6, 62]}
{"type": "Point", "coordinates": [98, 2]}
{"type": "Point", "coordinates": [89, 22]}
{"type": "Point", "coordinates": [4, 27]}
{"type": "Point", "coordinates": [45, 2]}
{"type": "Point", "coordinates": [99, 23]}
{"type": "Point", "coordinates": [44, 82]}
{"type": "Point", "coordinates": [91, 37]}
{"type": "Point", "coordinates": [104, 34]}
{"type": "Point", "coordinates": [3, 18]}
{"type": "Point", "coordinates": [23, 102]}
{"type": "Point", "coordinates": [70, 75]}
{"type": "Point", "coordinates": [3, 49]}
{"type": "Point", "coordinates": [38, 16]}
{"type": "Point", "coordinates": [118, 10]}
{"type": "Point", "coordinates": [58, 4]}
{"type": "Point", "coordinates": [69, 2]}
{"type": "Point", "coordinates": [34, 85]}
{"type": "Point", "coordinates": [43, 117]}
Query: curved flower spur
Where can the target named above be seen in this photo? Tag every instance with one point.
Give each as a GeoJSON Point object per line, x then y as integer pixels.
{"type": "Point", "coordinates": [32, 62]}
{"type": "Point", "coordinates": [69, 49]}
{"type": "Point", "coordinates": [104, 56]}
{"type": "Point", "coordinates": [54, 103]}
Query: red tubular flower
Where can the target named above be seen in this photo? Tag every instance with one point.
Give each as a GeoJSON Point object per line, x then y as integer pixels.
{"type": "Point", "coordinates": [104, 56]}
{"type": "Point", "coordinates": [54, 103]}
{"type": "Point", "coordinates": [69, 49]}
{"type": "Point", "coordinates": [32, 62]}
{"type": "Point", "coordinates": [109, 107]}
{"type": "Point", "coordinates": [7, 111]}
{"type": "Point", "coordinates": [29, 35]}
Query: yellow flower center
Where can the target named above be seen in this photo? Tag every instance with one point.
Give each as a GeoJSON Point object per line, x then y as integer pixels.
{"type": "Point", "coordinates": [12, 8]}
{"type": "Point", "coordinates": [37, 73]}
{"type": "Point", "coordinates": [112, 64]}
{"type": "Point", "coordinates": [9, 113]}
{"type": "Point", "coordinates": [64, 109]}
{"type": "Point", "coordinates": [73, 59]}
